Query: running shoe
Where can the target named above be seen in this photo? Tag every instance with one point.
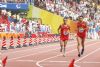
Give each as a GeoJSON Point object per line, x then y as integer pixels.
{"type": "Point", "coordinates": [79, 55]}
{"type": "Point", "coordinates": [61, 50]}
{"type": "Point", "coordinates": [82, 51]}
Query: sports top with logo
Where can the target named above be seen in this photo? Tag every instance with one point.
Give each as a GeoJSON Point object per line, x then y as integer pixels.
{"type": "Point", "coordinates": [82, 28]}
{"type": "Point", "coordinates": [64, 32]}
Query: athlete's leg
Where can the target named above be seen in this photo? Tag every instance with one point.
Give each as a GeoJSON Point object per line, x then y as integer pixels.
{"type": "Point", "coordinates": [82, 43]}
{"type": "Point", "coordinates": [61, 45]}
{"type": "Point", "coordinates": [78, 45]}
{"type": "Point", "coordinates": [65, 43]}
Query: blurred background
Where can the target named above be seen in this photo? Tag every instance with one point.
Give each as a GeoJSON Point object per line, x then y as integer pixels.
{"type": "Point", "coordinates": [45, 16]}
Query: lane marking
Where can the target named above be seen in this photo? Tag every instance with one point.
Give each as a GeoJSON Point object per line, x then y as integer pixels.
{"type": "Point", "coordinates": [34, 48]}
{"type": "Point", "coordinates": [92, 62]}
{"type": "Point", "coordinates": [43, 51]}
{"type": "Point", "coordinates": [38, 63]}
{"type": "Point", "coordinates": [87, 55]}
{"type": "Point", "coordinates": [27, 49]}
{"type": "Point", "coordinates": [38, 53]}
{"type": "Point", "coordinates": [42, 47]}
{"type": "Point", "coordinates": [26, 60]}
{"type": "Point", "coordinates": [58, 61]}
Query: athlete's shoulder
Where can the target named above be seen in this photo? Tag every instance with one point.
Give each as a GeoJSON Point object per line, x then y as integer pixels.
{"type": "Point", "coordinates": [84, 23]}
{"type": "Point", "coordinates": [77, 22]}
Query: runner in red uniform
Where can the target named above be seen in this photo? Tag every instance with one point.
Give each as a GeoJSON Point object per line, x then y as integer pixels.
{"type": "Point", "coordinates": [81, 34]}
{"type": "Point", "coordinates": [64, 35]}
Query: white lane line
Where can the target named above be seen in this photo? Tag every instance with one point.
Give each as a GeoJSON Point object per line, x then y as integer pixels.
{"type": "Point", "coordinates": [87, 55]}
{"type": "Point", "coordinates": [26, 60]}
{"type": "Point", "coordinates": [42, 47]}
{"type": "Point", "coordinates": [27, 50]}
{"type": "Point", "coordinates": [38, 53]}
{"type": "Point", "coordinates": [58, 61]}
{"type": "Point", "coordinates": [69, 62]}
{"type": "Point", "coordinates": [31, 54]}
{"type": "Point", "coordinates": [43, 51]}
{"type": "Point", "coordinates": [92, 62]}
{"type": "Point", "coordinates": [45, 61]}
{"type": "Point", "coordinates": [76, 62]}
{"type": "Point", "coordinates": [34, 48]}
{"type": "Point", "coordinates": [38, 63]}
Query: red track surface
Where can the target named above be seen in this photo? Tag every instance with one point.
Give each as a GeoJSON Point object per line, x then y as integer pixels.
{"type": "Point", "coordinates": [48, 55]}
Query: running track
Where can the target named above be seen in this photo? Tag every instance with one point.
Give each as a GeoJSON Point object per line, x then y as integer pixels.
{"type": "Point", "coordinates": [48, 55]}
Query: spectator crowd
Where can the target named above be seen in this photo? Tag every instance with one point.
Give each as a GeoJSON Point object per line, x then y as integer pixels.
{"type": "Point", "coordinates": [89, 9]}
{"type": "Point", "coordinates": [8, 23]}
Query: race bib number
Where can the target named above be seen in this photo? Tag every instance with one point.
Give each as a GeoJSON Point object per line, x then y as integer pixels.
{"type": "Point", "coordinates": [65, 33]}
{"type": "Point", "coordinates": [81, 30]}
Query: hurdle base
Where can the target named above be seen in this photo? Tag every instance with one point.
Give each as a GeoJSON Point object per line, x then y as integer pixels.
{"type": "Point", "coordinates": [39, 43]}
{"type": "Point", "coordinates": [24, 45]}
{"type": "Point", "coordinates": [30, 44]}
{"type": "Point", "coordinates": [18, 46]}
{"type": "Point", "coordinates": [3, 48]}
{"type": "Point", "coordinates": [36, 44]}
{"type": "Point", "coordinates": [11, 47]}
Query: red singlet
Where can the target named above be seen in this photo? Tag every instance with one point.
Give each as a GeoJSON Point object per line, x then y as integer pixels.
{"type": "Point", "coordinates": [81, 29]}
{"type": "Point", "coordinates": [64, 32]}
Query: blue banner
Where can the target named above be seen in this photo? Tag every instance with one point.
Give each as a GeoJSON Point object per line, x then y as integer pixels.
{"type": "Point", "coordinates": [14, 6]}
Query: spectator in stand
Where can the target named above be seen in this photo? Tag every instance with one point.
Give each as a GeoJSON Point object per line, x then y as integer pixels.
{"type": "Point", "coordinates": [69, 8]}
{"type": "Point", "coordinates": [12, 27]}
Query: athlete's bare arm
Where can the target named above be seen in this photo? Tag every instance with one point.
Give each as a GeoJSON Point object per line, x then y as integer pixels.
{"type": "Point", "coordinates": [59, 29]}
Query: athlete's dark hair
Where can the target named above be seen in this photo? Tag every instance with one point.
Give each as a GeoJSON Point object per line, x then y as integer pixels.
{"type": "Point", "coordinates": [70, 17]}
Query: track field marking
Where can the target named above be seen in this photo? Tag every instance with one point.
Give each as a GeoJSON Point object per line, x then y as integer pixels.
{"type": "Point", "coordinates": [92, 62]}
{"type": "Point", "coordinates": [87, 55]}
{"type": "Point", "coordinates": [42, 47]}
{"type": "Point", "coordinates": [58, 61]}
{"type": "Point", "coordinates": [38, 63]}
{"type": "Point", "coordinates": [43, 52]}
{"type": "Point", "coordinates": [35, 48]}
{"type": "Point", "coordinates": [38, 53]}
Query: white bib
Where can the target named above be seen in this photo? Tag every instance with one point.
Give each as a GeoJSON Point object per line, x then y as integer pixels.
{"type": "Point", "coordinates": [81, 30]}
{"type": "Point", "coordinates": [65, 33]}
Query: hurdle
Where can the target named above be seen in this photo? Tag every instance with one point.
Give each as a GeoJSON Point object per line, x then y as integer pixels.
{"type": "Point", "coordinates": [30, 41]}
{"type": "Point", "coordinates": [25, 42]}
{"type": "Point", "coordinates": [18, 43]}
{"type": "Point", "coordinates": [4, 45]}
{"type": "Point", "coordinates": [11, 43]}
